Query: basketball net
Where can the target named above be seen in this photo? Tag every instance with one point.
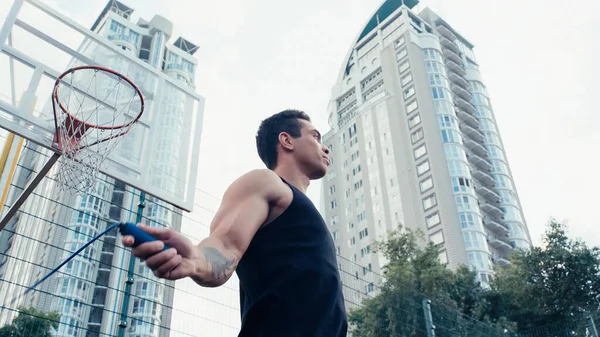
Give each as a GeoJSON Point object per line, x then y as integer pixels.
{"type": "Point", "coordinates": [94, 108]}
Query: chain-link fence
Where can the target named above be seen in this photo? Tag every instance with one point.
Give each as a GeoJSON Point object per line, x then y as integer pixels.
{"type": "Point", "coordinates": [104, 293]}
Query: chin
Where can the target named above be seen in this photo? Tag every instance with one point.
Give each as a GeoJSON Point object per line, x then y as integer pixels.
{"type": "Point", "coordinates": [318, 174]}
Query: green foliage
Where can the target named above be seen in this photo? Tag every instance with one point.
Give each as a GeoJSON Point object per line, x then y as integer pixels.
{"type": "Point", "coordinates": [545, 285]}
{"type": "Point", "coordinates": [413, 275]}
{"type": "Point", "coordinates": [550, 283]}
{"type": "Point", "coordinates": [31, 323]}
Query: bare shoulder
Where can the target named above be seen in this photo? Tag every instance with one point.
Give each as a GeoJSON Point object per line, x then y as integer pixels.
{"type": "Point", "coordinates": [263, 182]}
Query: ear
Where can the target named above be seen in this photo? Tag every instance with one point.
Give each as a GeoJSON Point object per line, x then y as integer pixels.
{"type": "Point", "coordinates": [285, 140]}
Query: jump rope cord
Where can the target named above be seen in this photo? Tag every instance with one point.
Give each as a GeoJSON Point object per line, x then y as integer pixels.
{"type": "Point", "coordinates": [110, 228]}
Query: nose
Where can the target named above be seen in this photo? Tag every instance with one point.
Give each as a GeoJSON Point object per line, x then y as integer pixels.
{"type": "Point", "coordinates": [326, 150]}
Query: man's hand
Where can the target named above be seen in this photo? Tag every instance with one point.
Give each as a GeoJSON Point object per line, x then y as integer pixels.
{"type": "Point", "coordinates": [179, 261]}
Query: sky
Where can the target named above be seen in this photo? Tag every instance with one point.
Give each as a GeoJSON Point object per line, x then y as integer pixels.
{"type": "Point", "coordinates": [537, 59]}
{"type": "Point", "coordinates": [258, 57]}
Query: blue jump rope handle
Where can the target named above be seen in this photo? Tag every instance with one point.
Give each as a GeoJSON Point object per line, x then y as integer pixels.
{"type": "Point", "coordinates": [138, 234]}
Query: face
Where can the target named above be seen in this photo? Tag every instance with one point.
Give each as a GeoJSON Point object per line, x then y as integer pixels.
{"type": "Point", "coordinates": [309, 153]}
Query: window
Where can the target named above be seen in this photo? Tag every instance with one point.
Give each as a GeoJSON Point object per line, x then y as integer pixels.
{"type": "Point", "coordinates": [458, 168]}
{"type": "Point", "coordinates": [473, 239]}
{"type": "Point", "coordinates": [363, 233]}
{"type": "Point", "coordinates": [420, 151]}
{"type": "Point", "coordinates": [433, 220]}
{"type": "Point", "coordinates": [443, 107]}
{"type": "Point", "coordinates": [466, 220]}
{"type": "Point", "coordinates": [437, 80]}
{"type": "Point", "coordinates": [417, 135]}
{"type": "Point", "coordinates": [414, 121]}
{"type": "Point", "coordinates": [412, 106]}
{"type": "Point", "coordinates": [403, 67]}
{"type": "Point", "coordinates": [356, 170]}
{"type": "Point", "coordinates": [461, 184]}
{"type": "Point", "coordinates": [331, 189]}
{"type": "Point", "coordinates": [454, 151]}
{"type": "Point", "coordinates": [443, 257]}
{"type": "Point", "coordinates": [423, 167]}
{"type": "Point", "coordinates": [406, 79]}
{"type": "Point", "coordinates": [400, 41]}
{"type": "Point", "coordinates": [335, 235]}
{"type": "Point", "coordinates": [451, 136]}
{"type": "Point", "coordinates": [437, 237]}
{"type": "Point", "coordinates": [432, 54]}
{"type": "Point", "coordinates": [358, 185]}
{"type": "Point", "coordinates": [352, 130]}
{"type": "Point", "coordinates": [333, 204]}
{"type": "Point", "coordinates": [350, 225]}
{"type": "Point", "coordinates": [352, 242]}
{"type": "Point", "coordinates": [362, 216]}
{"type": "Point", "coordinates": [446, 122]}
{"type": "Point", "coordinates": [401, 54]}
{"type": "Point", "coordinates": [465, 203]}
{"type": "Point", "coordinates": [408, 93]}
{"type": "Point", "coordinates": [429, 202]}
{"type": "Point", "coordinates": [440, 93]}
{"type": "Point", "coordinates": [363, 252]}
{"type": "Point", "coordinates": [334, 220]}
{"type": "Point", "coordinates": [426, 184]}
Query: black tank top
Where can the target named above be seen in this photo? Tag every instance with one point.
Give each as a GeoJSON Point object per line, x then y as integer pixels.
{"type": "Point", "coordinates": [289, 281]}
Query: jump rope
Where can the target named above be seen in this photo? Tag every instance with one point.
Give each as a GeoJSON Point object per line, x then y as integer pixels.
{"type": "Point", "coordinates": [125, 228]}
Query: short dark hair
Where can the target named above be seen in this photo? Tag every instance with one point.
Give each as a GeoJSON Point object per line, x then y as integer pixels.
{"type": "Point", "coordinates": [267, 137]}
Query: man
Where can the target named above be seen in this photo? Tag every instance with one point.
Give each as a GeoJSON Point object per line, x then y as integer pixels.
{"type": "Point", "coordinates": [271, 235]}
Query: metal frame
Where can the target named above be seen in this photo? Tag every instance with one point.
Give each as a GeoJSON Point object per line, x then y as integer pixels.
{"type": "Point", "coordinates": [39, 131]}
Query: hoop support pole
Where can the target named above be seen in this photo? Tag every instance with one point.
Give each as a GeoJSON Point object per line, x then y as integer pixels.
{"type": "Point", "coordinates": [29, 189]}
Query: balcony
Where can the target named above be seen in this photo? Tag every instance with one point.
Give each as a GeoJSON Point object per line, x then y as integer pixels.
{"type": "Point", "coordinates": [474, 146]}
{"type": "Point", "coordinates": [499, 243]}
{"type": "Point", "coordinates": [491, 209]}
{"type": "Point", "coordinates": [465, 105]}
{"type": "Point", "coordinates": [488, 194]}
{"type": "Point", "coordinates": [483, 177]}
{"type": "Point", "coordinates": [495, 226]}
{"type": "Point", "coordinates": [445, 32]}
{"type": "Point", "coordinates": [455, 67]}
{"type": "Point", "coordinates": [479, 161]}
{"type": "Point", "coordinates": [466, 118]}
{"type": "Point", "coordinates": [502, 261]}
{"type": "Point", "coordinates": [451, 55]}
{"type": "Point", "coordinates": [462, 93]}
{"type": "Point", "coordinates": [459, 80]}
{"type": "Point", "coordinates": [471, 132]}
{"type": "Point", "coordinates": [128, 40]}
{"type": "Point", "coordinates": [446, 43]}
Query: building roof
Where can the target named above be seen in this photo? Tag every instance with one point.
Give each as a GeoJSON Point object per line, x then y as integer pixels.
{"type": "Point", "coordinates": [107, 8]}
{"type": "Point", "coordinates": [386, 9]}
{"type": "Point", "coordinates": [186, 46]}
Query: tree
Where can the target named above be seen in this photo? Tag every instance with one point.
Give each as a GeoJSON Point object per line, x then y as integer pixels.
{"type": "Point", "coordinates": [31, 323]}
{"type": "Point", "coordinates": [413, 274]}
{"type": "Point", "coordinates": [557, 283]}
{"type": "Point", "coordinates": [546, 284]}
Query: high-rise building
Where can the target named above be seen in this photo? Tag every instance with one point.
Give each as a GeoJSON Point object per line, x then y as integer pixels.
{"type": "Point", "coordinates": [414, 142]}
{"type": "Point", "coordinates": [89, 291]}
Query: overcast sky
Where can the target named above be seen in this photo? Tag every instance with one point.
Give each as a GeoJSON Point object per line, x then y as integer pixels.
{"type": "Point", "coordinates": [257, 57]}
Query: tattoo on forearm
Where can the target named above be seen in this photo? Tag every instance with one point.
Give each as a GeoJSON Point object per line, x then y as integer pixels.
{"type": "Point", "coordinates": [220, 264]}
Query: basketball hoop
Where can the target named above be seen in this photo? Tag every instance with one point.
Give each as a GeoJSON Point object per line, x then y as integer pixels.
{"type": "Point", "coordinates": [94, 107]}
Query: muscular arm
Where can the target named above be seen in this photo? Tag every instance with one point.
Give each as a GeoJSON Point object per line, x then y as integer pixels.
{"type": "Point", "coordinates": [244, 209]}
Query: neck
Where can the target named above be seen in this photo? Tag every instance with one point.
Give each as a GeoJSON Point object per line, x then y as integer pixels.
{"type": "Point", "coordinates": [294, 176]}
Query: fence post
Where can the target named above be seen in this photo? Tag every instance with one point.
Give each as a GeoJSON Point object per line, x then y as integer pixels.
{"type": "Point", "coordinates": [592, 326]}
{"type": "Point", "coordinates": [429, 319]}
{"type": "Point", "coordinates": [130, 273]}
